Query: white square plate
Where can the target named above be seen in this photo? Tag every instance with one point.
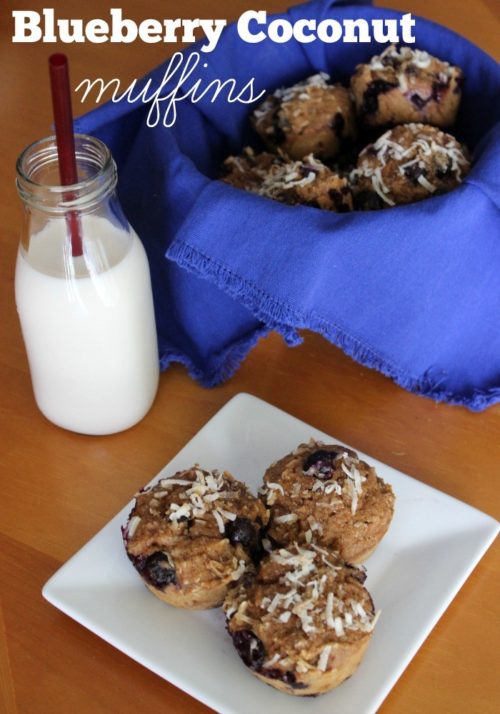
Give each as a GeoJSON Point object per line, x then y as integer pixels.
{"type": "Point", "coordinates": [433, 544]}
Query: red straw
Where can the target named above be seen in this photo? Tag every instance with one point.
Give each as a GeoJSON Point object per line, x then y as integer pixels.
{"type": "Point", "coordinates": [63, 119]}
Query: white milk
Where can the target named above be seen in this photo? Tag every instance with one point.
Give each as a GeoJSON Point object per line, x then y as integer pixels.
{"type": "Point", "coordinates": [90, 338]}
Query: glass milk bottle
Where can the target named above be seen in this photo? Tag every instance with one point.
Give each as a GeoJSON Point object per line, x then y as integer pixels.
{"type": "Point", "coordinates": [86, 309]}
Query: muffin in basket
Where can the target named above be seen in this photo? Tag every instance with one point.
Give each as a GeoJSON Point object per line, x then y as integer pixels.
{"type": "Point", "coordinates": [311, 117]}
{"type": "Point", "coordinates": [192, 535]}
{"type": "Point", "coordinates": [307, 182]}
{"type": "Point", "coordinates": [303, 622]}
{"type": "Point", "coordinates": [326, 494]}
{"type": "Point", "coordinates": [407, 85]}
{"type": "Point", "coordinates": [406, 164]}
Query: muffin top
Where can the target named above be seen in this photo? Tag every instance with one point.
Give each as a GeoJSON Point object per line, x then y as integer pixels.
{"type": "Point", "coordinates": [411, 162]}
{"type": "Point", "coordinates": [396, 59]}
{"type": "Point", "coordinates": [313, 88]}
{"type": "Point", "coordinates": [312, 115]}
{"type": "Point", "coordinates": [204, 523]}
{"type": "Point", "coordinates": [249, 170]}
{"type": "Point", "coordinates": [302, 601]}
{"type": "Point", "coordinates": [414, 72]}
{"type": "Point", "coordinates": [319, 492]}
{"type": "Point", "coordinates": [306, 182]}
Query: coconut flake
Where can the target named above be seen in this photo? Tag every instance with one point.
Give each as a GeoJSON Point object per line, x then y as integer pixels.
{"type": "Point", "coordinates": [274, 602]}
{"type": "Point", "coordinates": [132, 526]}
{"type": "Point", "coordinates": [426, 184]}
{"type": "Point", "coordinates": [271, 662]}
{"type": "Point", "coordinates": [318, 486]}
{"type": "Point", "coordinates": [339, 627]}
{"type": "Point", "coordinates": [380, 188]}
{"type": "Point", "coordinates": [375, 620]}
{"type": "Point", "coordinates": [358, 609]}
{"type": "Point", "coordinates": [267, 545]}
{"type": "Point", "coordinates": [276, 487]}
{"type": "Point", "coordinates": [210, 497]}
{"type": "Point", "coordinates": [323, 658]}
{"type": "Point", "coordinates": [287, 518]}
{"type": "Point", "coordinates": [165, 482]}
{"type": "Point", "coordinates": [227, 514]}
{"type": "Point", "coordinates": [236, 574]}
{"type": "Point", "coordinates": [219, 521]}
{"type": "Point", "coordinates": [329, 610]}
{"type": "Point", "coordinates": [178, 512]}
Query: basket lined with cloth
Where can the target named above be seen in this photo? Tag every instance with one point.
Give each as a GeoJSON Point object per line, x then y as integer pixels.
{"type": "Point", "coordinates": [412, 291]}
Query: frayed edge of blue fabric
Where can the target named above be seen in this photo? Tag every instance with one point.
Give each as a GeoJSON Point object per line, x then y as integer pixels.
{"type": "Point", "coordinates": [287, 321]}
{"type": "Point", "coordinates": [221, 366]}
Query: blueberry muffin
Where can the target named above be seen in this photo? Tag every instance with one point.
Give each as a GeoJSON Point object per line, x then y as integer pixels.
{"type": "Point", "coordinates": [303, 622]}
{"type": "Point", "coordinates": [406, 164]}
{"type": "Point", "coordinates": [249, 170]}
{"type": "Point", "coordinates": [312, 117]}
{"type": "Point", "coordinates": [192, 535]}
{"type": "Point", "coordinates": [407, 85]}
{"type": "Point", "coordinates": [326, 494]}
{"type": "Point", "coordinates": [307, 182]}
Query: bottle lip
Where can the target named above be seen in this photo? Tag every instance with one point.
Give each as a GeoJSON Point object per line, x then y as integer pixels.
{"type": "Point", "coordinates": [51, 196]}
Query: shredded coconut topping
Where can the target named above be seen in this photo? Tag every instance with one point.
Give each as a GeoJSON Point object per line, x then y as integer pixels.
{"type": "Point", "coordinates": [353, 483]}
{"type": "Point", "coordinates": [300, 90]}
{"type": "Point", "coordinates": [347, 485]}
{"type": "Point", "coordinates": [305, 592]}
{"type": "Point", "coordinates": [430, 151]}
{"type": "Point", "coordinates": [400, 57]}
{"type": "Point", "coordinates": [289, 174]}
{"type": "Point", "coordinates": [200, 498]}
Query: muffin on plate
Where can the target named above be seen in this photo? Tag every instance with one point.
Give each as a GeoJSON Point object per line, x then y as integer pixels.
{"type": "Point", "coordinates": [311, 117]}
{"type": "Point", "coordinates": [326, 494]}
{"type": "Point", "coordinates": [406, 164]}
{"type": "Point", "coordinates": [307, 182]}
{"type": "Point", "coordinates": [192, 535]}
{"type": "Point", "coordinates": [303, 622]}
{"type": "Point", "coordinates": [407, 85]}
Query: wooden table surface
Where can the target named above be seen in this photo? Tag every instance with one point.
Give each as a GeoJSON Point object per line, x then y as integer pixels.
{"type": "Point", "coordinates": [59, 488]}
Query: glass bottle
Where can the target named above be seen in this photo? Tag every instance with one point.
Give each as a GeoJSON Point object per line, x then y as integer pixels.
{"type": "Point", "coordinates": [83, 294]}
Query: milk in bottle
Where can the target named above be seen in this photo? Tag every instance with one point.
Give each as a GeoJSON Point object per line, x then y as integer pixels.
{"type": "Point", "coordinates": [87, 320]}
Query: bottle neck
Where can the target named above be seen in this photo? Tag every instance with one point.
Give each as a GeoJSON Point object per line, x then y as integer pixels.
{"type": "Point", "coordinates": [38, 180]}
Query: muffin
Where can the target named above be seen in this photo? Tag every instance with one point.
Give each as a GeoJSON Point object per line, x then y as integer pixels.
{"type": "Point", "coordinates": [407, 164]}
{"type": "Point", "coordinates": [192, 535]}
{"type": "Point", "coordinates": [303, 622]}
{"type": "Point", "coordinates": [249, 170]}
{"type": "Point", "coordinates": [407, 85]}
{"type": "Point", "coordinates": [312, 117]}
{"type": "Point", "coordinates": [326, 494]}
{"type": "Point", "coordinates": [307, 182]}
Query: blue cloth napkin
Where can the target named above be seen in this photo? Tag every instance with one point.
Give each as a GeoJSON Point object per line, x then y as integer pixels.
{"type": "Point", "coordinates": [412, 291]}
